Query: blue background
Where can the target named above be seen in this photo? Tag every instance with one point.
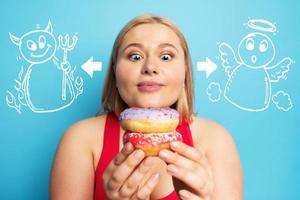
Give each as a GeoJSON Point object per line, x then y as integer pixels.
{"type": "Point", "coordinates": [267, 141]}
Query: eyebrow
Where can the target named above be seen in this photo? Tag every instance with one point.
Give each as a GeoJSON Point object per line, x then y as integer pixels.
{"type": "Point", "coordinates": [133, 45]}
{"type": "Point", "coordinates": [139, 45]}
{"type": "Point", "coordinates": [168, 45]}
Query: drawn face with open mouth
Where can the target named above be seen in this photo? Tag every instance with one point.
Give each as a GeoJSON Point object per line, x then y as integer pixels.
{"type": "Point", "coordinates": [256, 50]}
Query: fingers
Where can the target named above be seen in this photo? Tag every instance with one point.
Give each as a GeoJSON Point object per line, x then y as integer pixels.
{"type": "Point", "coordinates": [187, 151]}
{"type": "Point", "coordinates": [135, 179]}
{"type": "Point", "coordinates": [145, 191]}
{"type": "Point", "coordinates": [184, 156]}
{"type": "Point", "coordinates": [123, 171]}
{"type": "Point", "coordinates": [126, 150]}
{"type": "Point", "coordinates": [197, 180]}
{"type": "Point", "coordinates": [124, 175]}
{"type": "Point", "coordinates": [189, 165]}
{"type": "Point", "coordinates": [187, 195]}
{"type": "Point", "coordinates": [178, 160]}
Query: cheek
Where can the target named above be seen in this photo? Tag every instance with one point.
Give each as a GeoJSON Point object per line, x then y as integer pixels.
{"type": "Point", "coordinates": [121, 81]}
{"type": "Point", "coordinates": [121, 74]}
{"type": "Point", "coordinates": [177, 76]}
{"type": "Point", "coordinates": [125, 79]}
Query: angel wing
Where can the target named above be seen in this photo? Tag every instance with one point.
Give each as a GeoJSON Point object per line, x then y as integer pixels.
{"type": "Point", "coordinates": [279, 70]}
{"type": "Point", "coordinates": [229, 61]}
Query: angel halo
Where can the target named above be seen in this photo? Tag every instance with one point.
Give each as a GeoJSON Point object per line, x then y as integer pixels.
{"type": "Point", "coordinates": [262, 25]}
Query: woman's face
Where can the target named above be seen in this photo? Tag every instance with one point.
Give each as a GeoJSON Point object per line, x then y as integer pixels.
{"type": "Point", "coordinates": [150, 69]}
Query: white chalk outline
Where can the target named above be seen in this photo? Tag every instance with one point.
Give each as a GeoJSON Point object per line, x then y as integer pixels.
{"type": "Point", "coordinates": [209, 94]}
{"type": "Point", "coordinates": [68, 78]}
{"type": "Point", "coordinates": [273, 74]}
{"type": "Point", "coordinates": [270, 27]}
{"type": "Point", "coordinates": [276, 103]}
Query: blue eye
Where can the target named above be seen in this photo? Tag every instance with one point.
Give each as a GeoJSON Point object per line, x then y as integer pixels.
{"type": "Point", "coordinates": [135, 57]}
{"type": "Point", "coordinates": [166, 57]}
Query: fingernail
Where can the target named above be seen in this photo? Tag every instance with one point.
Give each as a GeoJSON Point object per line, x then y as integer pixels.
{"type": "Point", "coordinates": [148, 162]}
{"type": "Point", "coordinates": [139, 154]}
{"type": "Point", "coordinates": [164, 154]}
{"type": "Point", "coordinates": [128, 146]}
{"type": "Point", "coordinates": [184, 194]}
{"type": "Point", "coordinates": [175, 145]}
{"type": "Point", "coordinates": [172, 169]}
{"type": "Point", "coordinates": [155, 178]}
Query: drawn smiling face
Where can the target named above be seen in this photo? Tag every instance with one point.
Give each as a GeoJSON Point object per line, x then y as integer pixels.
{"type": "Point", "coordinates": [256, 50]}
{"type": "Point", "coordinates": [37, 46]}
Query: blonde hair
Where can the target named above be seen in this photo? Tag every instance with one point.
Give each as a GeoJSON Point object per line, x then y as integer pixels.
{"type": "Point", "coordinates": [111, 99]}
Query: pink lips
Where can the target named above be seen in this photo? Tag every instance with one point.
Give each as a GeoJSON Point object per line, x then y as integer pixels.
{"type": "Point", "coordinates": [149, 86]}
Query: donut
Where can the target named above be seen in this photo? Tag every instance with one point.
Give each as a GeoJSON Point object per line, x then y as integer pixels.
{"type": "Point", "coordinates": [150, 129]}
{"type": "Point", "coordinates": [149, 120]}
{"type": "Point", "coordinates": [151, 144]}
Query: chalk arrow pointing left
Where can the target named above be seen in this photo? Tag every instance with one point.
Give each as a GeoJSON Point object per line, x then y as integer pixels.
{"type": "Point", "coordinates": [208, 66]}
{"type": "Point", "coordinates": [90, 67]}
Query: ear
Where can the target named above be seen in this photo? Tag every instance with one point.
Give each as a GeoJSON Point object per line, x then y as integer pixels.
{"type": "Point", "coordinates": [49, 27]}
{"type": "Point", "coordinates": [14, 39]}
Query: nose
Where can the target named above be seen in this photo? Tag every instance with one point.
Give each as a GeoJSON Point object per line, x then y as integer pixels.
{"type": "Point", "coordinates": [150, 68]}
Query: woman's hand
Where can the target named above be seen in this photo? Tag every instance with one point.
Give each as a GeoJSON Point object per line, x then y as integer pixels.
{"type": "Point", "coordinates": [124, 175]}
{"type": "Point", "coordinates": [191, 167]}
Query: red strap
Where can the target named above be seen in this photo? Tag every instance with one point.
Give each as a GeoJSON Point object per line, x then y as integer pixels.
{"type": "Point", "coordinates": [185, 131]}
{"type": "Point", "coordinates": [110, 149]}
{"type": "Point", "coordinates": [172, 196]}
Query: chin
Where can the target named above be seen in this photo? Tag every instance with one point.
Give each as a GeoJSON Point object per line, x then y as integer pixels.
{"type": "Point", "coordinates": [150, 101]}
{"type": "Point", "coordinates": [152, 104]}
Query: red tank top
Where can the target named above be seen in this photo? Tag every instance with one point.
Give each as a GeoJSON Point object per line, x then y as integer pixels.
{"type": "Point", "coordinates": [111, 141]}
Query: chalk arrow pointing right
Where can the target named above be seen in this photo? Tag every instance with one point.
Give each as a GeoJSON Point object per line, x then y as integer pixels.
{"type": "Point", "coordinates": [208, 66]}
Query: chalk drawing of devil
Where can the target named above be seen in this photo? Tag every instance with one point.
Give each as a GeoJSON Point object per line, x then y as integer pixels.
{"type": "Point", "coordinates": [48, 85]}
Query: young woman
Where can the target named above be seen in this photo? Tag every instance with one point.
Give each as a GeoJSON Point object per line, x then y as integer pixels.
{"type": "Point", "coordinates": [150, 66]}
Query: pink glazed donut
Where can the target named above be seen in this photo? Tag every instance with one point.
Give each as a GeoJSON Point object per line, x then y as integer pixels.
{"type": "Point", "coordinates": [150, 129]}
{"type": "Point", "coordinates": [151, 144]}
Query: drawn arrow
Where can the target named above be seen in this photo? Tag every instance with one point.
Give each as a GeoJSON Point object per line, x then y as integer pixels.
{"type": "Point", "coordinates": [208, 66]}
{"type": "Point", "coordinates": [90, 67]}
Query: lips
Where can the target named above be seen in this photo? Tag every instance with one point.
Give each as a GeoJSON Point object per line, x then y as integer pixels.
{"type": "Point", "coordinates": [149, 86]}
{"type": "Point", "coordinates": [43, 54]}
{"type": "Point", "coordinates": [253, 59]}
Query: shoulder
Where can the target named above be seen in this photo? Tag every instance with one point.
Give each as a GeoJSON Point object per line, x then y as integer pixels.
{"type": "Point", "coordinates": [87, 126]}
{"type": "Point", "coordinates": [85, 130]}
{"type": "Point", "coordinates": [85, 136]}
{"type": "Point", "coordinates": [75, 160]}
{"type": "Point", "coordinates": [209, 134]}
